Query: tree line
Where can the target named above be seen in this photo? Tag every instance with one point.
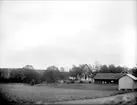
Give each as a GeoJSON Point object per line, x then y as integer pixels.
{"type": "Point", "coordinates": [53, 74]}
{"type": "Point", "coordinates": [30, 76]}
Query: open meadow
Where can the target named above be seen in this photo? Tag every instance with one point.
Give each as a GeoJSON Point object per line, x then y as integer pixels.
{"type": "Point", "coordinates": [55, 92]}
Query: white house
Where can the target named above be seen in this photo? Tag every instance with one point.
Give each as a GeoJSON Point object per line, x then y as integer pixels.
{"type": "Point", "coordinates": [128, 81]}
{"type": "Point", "coordinates": [86, 75]}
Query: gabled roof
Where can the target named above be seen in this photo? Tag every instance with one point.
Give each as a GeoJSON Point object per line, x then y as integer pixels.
{"type": "Point", "coordinates": [132, 76]}
{"type": "Point", "coordinates": [86, 68]}
{"type": "Point", "coordinates": [108, 76]}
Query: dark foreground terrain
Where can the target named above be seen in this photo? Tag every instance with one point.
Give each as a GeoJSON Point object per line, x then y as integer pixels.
{"type": "Point", "coordinates": [122, 99]}
{"type": "Point", "coordinates": [60, 94]}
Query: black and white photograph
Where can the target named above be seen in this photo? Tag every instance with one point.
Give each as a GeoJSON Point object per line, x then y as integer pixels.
{"type": "Point", "coordinates": [68, 52]}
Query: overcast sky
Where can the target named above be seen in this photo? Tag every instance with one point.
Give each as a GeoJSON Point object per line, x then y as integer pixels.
{"type": "Point", "coordinates": [63, 33]}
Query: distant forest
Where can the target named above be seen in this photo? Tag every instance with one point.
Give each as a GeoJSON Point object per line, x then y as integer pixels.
{"type": "Point", "coordinates": [53, 74]}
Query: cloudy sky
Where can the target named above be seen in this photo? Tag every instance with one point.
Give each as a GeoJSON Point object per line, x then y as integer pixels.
{"type": "Point", "coordinates": [63, 33]}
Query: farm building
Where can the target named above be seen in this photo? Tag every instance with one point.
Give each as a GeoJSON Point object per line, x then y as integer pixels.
{"type": "Point", "coordinates": [86, 76]}
{"type": "Point", "coordinates": [127, 81]}
{"type": "Point", "coordinates": [107, 78]}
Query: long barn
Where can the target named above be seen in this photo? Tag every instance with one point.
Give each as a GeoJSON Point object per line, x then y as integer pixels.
{"type": "Point", "coordinates": [104, 78]}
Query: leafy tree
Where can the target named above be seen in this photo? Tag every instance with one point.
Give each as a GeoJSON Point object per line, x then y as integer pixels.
{"type": "Point", "coordinates": [51, 74]}
{"type": "Point", "coordinates": [28, 67]}
{"type": "Point", "coordinates": [104, 69]}
{"type": "Point", "coordinates": [75, 71]}
{"type": "Point", "coordinates": [64, 75]}
{"type": "Point", "coordinates": [29, 75]}
{"type": "Point", "coordinates": [54, 68]}
{"type": "Point", "coordinates": [4, 75]}
{"type": "Point", "coordinates": [112, 68]}
{"type": "Point", "coordinates": [134, 71]}
{"type": "Point", "coordinates": [16, 75]}
{"type": "Point", "coordinates": [119, 69]}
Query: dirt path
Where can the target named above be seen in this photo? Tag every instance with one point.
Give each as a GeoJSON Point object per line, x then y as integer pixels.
{"type": "Point", "coordinates": [123, 99]}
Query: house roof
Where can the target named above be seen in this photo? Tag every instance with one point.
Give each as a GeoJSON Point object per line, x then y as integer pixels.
{"type": "Point", "coordinates": [108, 76]}
{"type": "Point", "coordinates": [132, 76]}
{"type": "Point", "coordinates": [86, 68]}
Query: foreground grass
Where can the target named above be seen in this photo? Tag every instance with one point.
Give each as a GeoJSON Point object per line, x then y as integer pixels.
{"type": "Point", "coordinates": [55, 93]}
{"type": "Point", "coordinates": [86, 86]}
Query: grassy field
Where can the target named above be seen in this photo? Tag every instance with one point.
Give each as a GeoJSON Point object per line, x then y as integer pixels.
{"type": "Point", "coordinates": [55, 93]}
{"type": "Point", "coordinates": [108, 87]}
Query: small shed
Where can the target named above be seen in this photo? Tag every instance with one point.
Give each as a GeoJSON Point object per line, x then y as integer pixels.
{"type": "Point", "coordinates": [127, 81]}
{"type": "Point", "coordinates": [107, 78]}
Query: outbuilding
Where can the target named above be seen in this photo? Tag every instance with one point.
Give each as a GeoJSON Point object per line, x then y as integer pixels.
{"type": "Point", "coordinates": [127, 82]}
{"type": "Point", "coordinates": [107, 78]}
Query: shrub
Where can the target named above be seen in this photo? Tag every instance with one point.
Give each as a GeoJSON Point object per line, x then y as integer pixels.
{"type": "Point", "coordinates": [121, 92]}
{"type": "Point", "coordinates": [32, 82]}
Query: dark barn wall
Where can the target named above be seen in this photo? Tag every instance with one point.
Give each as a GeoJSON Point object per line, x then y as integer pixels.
{"type": "Point", "coordinates": [100, 81]}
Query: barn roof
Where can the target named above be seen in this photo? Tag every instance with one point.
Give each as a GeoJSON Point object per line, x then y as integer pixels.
{"type": "Point", "coordinates": [108, 76]}
{"type": "Point", "coordinates": [132, 76]}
